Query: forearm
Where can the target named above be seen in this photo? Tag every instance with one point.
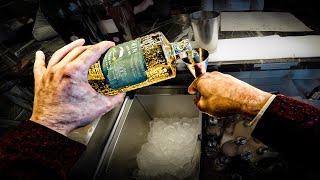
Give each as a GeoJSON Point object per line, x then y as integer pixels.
{"type": "Point", "coordinates": [291, 127]}
{"type": "Point", "coordinates": [34, 151]}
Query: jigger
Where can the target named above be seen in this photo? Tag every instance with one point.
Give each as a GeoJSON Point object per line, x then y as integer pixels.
{"type": "Point", "coordinates": [198, 65]}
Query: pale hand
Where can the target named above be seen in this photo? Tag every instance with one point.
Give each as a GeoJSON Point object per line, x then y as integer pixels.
{"type": "Point", "coordinates": [63, 98]}
{"type": "Point", "coordinates": [222, 94]}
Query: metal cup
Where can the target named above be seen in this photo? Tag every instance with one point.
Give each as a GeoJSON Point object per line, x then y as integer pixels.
{"type": "Point", "coordinates": [205, 25]}
{"type": "Point", "coordinates": [199, 67]}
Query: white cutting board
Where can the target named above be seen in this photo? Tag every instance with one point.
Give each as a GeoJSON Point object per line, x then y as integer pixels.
{"type": "Point", "coordinates": [261, 21]}
{"type": "Point", "coordinates": [268, 47]}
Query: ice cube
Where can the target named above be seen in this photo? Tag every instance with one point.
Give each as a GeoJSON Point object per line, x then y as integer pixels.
{"type": "Point", "coordinates": [170, 149]}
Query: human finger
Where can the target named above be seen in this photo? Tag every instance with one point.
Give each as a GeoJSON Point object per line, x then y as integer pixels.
{"type": "Point", "coordinates": [59, 54]}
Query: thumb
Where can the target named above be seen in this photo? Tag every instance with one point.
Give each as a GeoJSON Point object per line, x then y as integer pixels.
{"type": "Point", "coordinates": [39, 66]}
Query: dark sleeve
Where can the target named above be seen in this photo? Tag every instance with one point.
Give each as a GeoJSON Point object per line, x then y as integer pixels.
{"type": "Point", "coordinates": [291, 127]}
{"type": "Point", "coordinates": [33, 151]}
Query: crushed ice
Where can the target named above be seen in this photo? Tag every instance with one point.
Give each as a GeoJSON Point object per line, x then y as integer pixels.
{"type": "Point", "coordinates": [172, 149]}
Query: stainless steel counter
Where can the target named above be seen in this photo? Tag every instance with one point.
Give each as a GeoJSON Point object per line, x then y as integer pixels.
{"type": "Point", "coordinates": [297, 83]}
{"type": "Point", "coordinates": [295, 77]}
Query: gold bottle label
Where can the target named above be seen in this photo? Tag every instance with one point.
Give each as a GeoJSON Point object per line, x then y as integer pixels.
{"type": "Point", "coordinates": [150, 65]}
{"type": "Point", "coordinates": [95, 72]}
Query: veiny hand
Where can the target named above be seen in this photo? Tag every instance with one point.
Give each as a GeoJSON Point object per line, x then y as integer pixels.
{"type": "Point", "coordinates": [63, 98]}
{"type": "Point", "coordinates": [222, 94]}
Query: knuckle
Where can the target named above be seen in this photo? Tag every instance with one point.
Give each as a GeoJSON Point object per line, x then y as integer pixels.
{"type": "Point", "coordinates": [51, 72]}
{"type": "Point", "coordinates": [204, 76]}
{"type": "Point", "coordinates": [201, 107]}
{"type": "Point", "coordinates": [228, 75]}
{"type": "Point", "coordinates": [109, 105]}
{"type": "Point", "coordinates": [93, 49]}
{"type": "Point", "coordinates": [215, 73]}
{"type": "Point", "coordinates": [90, 52]}
{"type": "Point", "coordinates": [71, 69]}
{"type": "Point", "coordinates": [66, 72]}
{"type": "Point", "coordinates": [76, 67]}
{"type": "Point", "coordinates": [191, 88]}
{"type": "Point", "coordinates": [55, 69]}
{"type": "Point", "coordinates": [79, 47]}
{"type": "Point", "coordinates": [201, 83]}
{"type": "Point", "coordinates": [48, 76]}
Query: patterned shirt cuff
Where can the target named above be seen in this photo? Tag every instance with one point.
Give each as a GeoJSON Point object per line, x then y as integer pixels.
{"type": "Point", "coordinates": [256, 119]}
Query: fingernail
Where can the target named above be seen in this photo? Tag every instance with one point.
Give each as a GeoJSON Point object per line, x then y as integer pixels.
{"type": "Point", "coordinates": [82, 40]}
{"type": "Point", "coordinates": [109, 43]}
{"type": "Point", "coordinates": [79, 40]}
{"type": "Point", "coordinates": [39, 52]}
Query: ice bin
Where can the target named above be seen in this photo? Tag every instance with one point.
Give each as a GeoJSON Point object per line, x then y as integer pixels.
{"type": "Point", "coordinates": [132, 127]}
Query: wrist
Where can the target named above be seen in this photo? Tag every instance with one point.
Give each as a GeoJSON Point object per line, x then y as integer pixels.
{"type": "Point", "coordinates": [50, 123]}
{"type": "Point", "coordinates": [255, 103]}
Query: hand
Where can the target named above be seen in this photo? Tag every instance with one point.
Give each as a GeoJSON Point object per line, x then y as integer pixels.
{"type": "Point", "coordinates": [222, 94]}
{"type": "Point", "coordinates": [63, 98]}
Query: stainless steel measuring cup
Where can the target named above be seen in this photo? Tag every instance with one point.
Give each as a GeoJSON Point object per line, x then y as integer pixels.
{"type": "Point", "coordinates": [200, 64]}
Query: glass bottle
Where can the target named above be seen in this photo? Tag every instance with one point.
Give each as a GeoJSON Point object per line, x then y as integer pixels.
{"type": "Point", "coordinates": [138, 63]}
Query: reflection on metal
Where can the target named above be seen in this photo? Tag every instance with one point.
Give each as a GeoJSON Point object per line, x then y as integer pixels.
{"type": "Point", "coordinates": [83, 134]}
{"type": "Point", "coordinates": [132, 127]}
{"type": "Point", "coordinates": [205, 25]}
{"type": "Point", "coordinates": [114, 135]}
{"type": "Point", "coordinates": [199, 66]}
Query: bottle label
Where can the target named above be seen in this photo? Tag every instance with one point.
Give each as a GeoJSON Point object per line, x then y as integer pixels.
{"type": "Point", "coordinates": [124, 65]}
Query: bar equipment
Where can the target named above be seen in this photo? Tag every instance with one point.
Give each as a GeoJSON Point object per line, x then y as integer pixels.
{"type": "Point", "coordinates": [205, 25]}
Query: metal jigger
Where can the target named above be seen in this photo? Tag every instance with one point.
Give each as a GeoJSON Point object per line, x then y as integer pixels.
{"type": "Point", "coordinates": [198, 63]}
